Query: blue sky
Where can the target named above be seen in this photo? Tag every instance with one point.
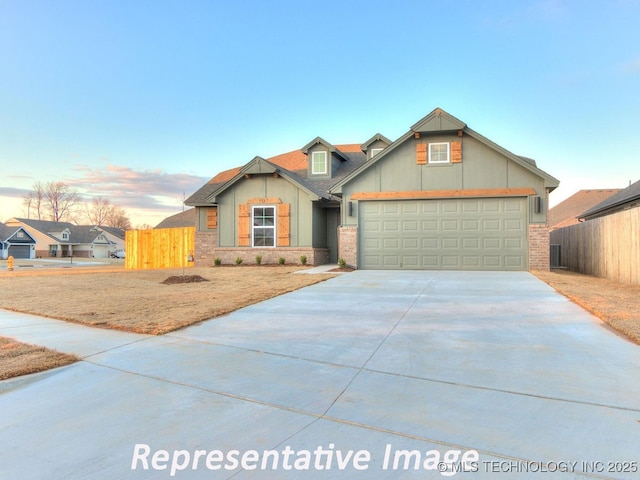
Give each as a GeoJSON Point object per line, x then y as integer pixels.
{"type": "Point", "coordinates": [140, 101]}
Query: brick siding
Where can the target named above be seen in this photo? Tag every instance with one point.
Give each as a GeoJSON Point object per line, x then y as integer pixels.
{"type": "Point", "coordinates": [539, 255]}
{"type": "Point", "coordinates": [270, 256]}
{"type": "Point", "coordinates": [348, 245]}
{"type": "Point", "coordinates": [205, 245]}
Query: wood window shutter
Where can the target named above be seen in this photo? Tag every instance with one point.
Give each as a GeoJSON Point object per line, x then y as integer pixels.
{"type": "Point", "coordinates": [283, 225]}
{"type": "Point", "coordinates": [212, 217]}
{"type": "Point", "coordinates": [456, 152]}
{"type": "Point", "coordinates": [244, 226]}
{"type": "Point", "coordinates": [421, 153]}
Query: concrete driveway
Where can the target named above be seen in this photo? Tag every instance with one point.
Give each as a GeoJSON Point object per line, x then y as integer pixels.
{"type": "Point", "coordinates": [370, 375]}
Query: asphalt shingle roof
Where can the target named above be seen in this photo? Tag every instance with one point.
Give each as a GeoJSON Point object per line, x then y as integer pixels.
{"type": "Point", "coordinates": [567, 212]}
{"type": "Point", "coordinates": [294, 164]}
{"type": "Point", "coordinates": [182, 219]}
{"type": "Point", "coordinates": [629, 194]}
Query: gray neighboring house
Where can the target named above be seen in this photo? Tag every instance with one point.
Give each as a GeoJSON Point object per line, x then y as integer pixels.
{"type": "Point", "coordinates": [623, 200]}
{"type": "Point", "coordinates": [441, 196]}
{"type": "Point", "coordinates": [64, 239]}
{"type": "Point", "coordinates": [16, 242]}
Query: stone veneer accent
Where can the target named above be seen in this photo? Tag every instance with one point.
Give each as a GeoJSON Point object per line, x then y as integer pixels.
{"type": "Point", "coordinates": [539, 255]}
{"type": "Point", "coordinates": [348, 245]}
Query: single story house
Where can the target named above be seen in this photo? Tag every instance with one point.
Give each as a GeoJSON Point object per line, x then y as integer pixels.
{"type": "Point", "coordinates": [566, 213]}
{"type": "Point", "coordinates": [63, 239]}
{"type": "Point", "coordinates": [16, 242]}
{"type": "Point", "coordinates": [623, 200]}
{"type": "Point", "coordinates": [441, 196]}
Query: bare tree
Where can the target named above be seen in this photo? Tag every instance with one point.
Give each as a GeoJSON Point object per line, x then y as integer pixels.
{"type": "Point", "coordinates": [98, 211]}
{"type": "Point", "coordinates": [33, 202]}
{"type": "Point", "coordinates": [60, 201]}
{"type": "Point", "coordinates": [102, 213]}
{"type": "Point", "coordinates": [118, 218]}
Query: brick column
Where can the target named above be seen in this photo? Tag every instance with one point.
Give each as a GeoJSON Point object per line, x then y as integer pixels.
{"type": "Point", "coordinates": [348, 245]}
{"type": "Point", "coordinates": [205, 245]}
{"type": "Point", "coordinates": [539, 255]}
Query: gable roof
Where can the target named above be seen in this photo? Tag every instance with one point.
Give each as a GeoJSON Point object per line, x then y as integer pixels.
{"type": "Point", "coordinates": [567, 212]}
{"type": "Point", "coordinates": [117, 232]}
{"type": "Point", "coordinates": [292, 165]}
{"type": "Point", "coordinates": [327, 145]}
{"type": "Point", "coordinates": [377, 137]}
{"type": "Point", "coordinates": [627, 198]}
{"type": "Point", "coordinates": [261, 166]}
{"type": "Point", "coordinates": [6, 232]}
{"type": "Point", "coordinates": [440, 121]}
{"type": "Point", "coordinates": [77, 233]}
{"type": "Point", "coordinates": [182, 219]}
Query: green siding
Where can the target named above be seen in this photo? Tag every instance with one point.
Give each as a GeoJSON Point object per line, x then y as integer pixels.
{"type": "Point", "coordinates": [482, 168]}
{"type": "Point", "coordinates": [266, 186]}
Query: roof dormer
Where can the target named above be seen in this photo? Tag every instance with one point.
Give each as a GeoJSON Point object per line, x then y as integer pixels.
{"type": "Point", "coordinates": [375, 145]}
{"type": "Point", "coordinates": [323, 159]}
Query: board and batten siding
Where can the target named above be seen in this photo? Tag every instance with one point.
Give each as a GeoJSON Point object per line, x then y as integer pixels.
{"type": "Point", "coordinates": [235, 204]}
{"type": "Point", "coordinates": [480, 168]}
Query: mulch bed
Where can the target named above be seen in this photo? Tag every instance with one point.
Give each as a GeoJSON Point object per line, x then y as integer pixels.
{"type": "Point", "coordinates": [176, 279]}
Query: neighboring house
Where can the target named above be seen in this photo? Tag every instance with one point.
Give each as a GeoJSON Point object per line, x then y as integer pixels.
{"type": "Point", "coordinates": [186, 218]}
{"type": "Point", "coordinates": [441, 196]}
{"type": "Point", "coordinates": [567, 212]}
{"type": "Point", "coordinates": [623, 200]}
{"type": "Point", "coordinates": [16, 242]}
{"type": "Point", "coordinates": [63, 239]}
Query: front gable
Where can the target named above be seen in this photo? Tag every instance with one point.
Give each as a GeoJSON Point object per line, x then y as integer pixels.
{"type": "Point", "coordinates": [440, 152]}
{"type": "Point", "coordinates": [438, 121]}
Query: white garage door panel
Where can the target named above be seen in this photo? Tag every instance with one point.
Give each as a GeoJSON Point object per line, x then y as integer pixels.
{"type": "Point", "coordinates": [448, 234]}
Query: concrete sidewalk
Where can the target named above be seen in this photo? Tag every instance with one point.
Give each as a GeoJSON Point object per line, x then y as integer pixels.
{"type": "Point", "coordinates": [368, 364]}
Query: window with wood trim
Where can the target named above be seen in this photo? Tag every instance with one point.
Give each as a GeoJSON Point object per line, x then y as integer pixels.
{"type": "Point", "coordinates": [212, 217]}
{"type": "Point", "coordinates": [263, 226]}
{"type": "Point", "coordinates": [439, 152]}
{"type": "Point", "coordinates": [319, 163]}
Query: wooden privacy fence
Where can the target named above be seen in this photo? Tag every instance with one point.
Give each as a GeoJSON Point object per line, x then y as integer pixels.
{"type": "Point", "coordinates": [605, 247]}
{"type": "Point", "coordinates": [159, 248]}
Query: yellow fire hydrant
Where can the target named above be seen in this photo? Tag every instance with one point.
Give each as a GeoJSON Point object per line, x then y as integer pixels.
{"type": "Point", "coordinates": [10, 263]}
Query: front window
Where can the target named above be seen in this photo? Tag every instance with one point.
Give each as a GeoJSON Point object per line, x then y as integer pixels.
{"type": "Point", "coordinates": [319, 163]}
{"type": "Point", "coordinates": [263, 223]}
{"type": "Point", "coordinates": [439, 153]}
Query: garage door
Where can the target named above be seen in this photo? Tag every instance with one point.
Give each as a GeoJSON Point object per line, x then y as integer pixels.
{"type": "Point", "coordinates": [447, 234]}
{"type": "Point", "coordinates": [20, 251]}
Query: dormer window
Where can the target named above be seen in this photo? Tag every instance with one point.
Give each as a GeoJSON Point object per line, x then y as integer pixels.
{"type": "Point", "coordinates": [65, 236]}
{"type": "Point", "coordinates": [319, 163]}
{"type": "Point", "coordinates": [375, 151]}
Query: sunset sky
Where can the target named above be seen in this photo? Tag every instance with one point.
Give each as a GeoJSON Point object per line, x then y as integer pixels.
{"type": "Point", "coordinates": [143, 101]}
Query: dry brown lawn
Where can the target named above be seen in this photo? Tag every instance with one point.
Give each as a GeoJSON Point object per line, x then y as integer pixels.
{"type": "Point", "coordinates": [615, 303]}
{"type": "Point", "coordinates": [18, 358]}
{"type": "Point", "coordinates": [138, 301]}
